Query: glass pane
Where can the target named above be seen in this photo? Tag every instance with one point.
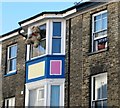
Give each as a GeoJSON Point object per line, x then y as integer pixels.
{"type": "Point", "coordinates": [43, 30]}
{"type": "Point", "coordinates": [33, 97]}
{"type": "Point", "coordinates": [42, 47]}
{"type": "Point", "coordinates": [104, 23]}
{"type": "Point", "coordinates": [41, 94]}
{"type": "Point", "coordinates": [104, 91]}
{"type": "Point", "coordinates": [40, 103]}
{"type": "Point", "coordinates": [56, 28]}
{"type": "Point", "coordinates": [55, 95]}
{"type": "Point", "coordinates": [104, 15]}
{"type": "Point", "coordinates": [56, 45]}
{"type": "Point", "coordinates": [98, 104]}
{"type": "Point", "coordinates": [99, 93]}
{"type": "Point", "coordinates": [12, 65]}
{"type": "Point", "coordinates": [40, 50]}
{"type": "Point", "coordinates": [13, 51]}
{"type": "Point", "coordinates": [97, 26]}
{"type": "Point", "coordinates": [105, 104]}
{"type": "Point", "coordinates": [98, 17]}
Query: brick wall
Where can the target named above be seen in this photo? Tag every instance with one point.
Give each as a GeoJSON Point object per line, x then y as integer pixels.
{"type": "Point", "coordinates": [14, 84]}
{"type": "Point", "coordinates": [83, 64]}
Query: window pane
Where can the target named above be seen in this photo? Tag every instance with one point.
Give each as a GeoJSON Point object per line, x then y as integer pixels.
{"type": "Point", "coordinates": [41, 94]}
{"type": "Point", "coordinates": [55, 95]}
{"type": "Point", "coordinates": [97, 26]}
{"type": "Point", "coordinates": [12, 65]}
{"type": "Point", "coordinates": [104, 23]}
{"type": "Point", "coordinates": [100, 88]}
{"type": "Point", "coordinates": [43, 30]}
{"type": "Point", "coordinates": [10, 102]}
{"type": "Point", "coordinates": [13, 51]}
{"type": "Point", "coordinates": [105, 104]}
{"type": "Point", "coordinates": [104, 91]}
{"type": "Point", "coordinates": [98, 17]}
{"type": "Point", "coordinates": [98, 104]}
{"type": "Point", "coordinates": [32, 97]}
{"type": "Point", "coordinates": [40, 50]}
{"type": "Point", "coordinates": [104, 15]}
{"type": "Point", "coordinates": [56, 45]}
{"type": "Point", "coordinates": [56, 28]}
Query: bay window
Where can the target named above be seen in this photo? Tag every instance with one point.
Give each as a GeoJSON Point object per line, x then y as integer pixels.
{"type": "Point", "coordinates": [99, 91]}
{"type": "Point", "coordinates": [99, 31]}
{"type": "Point", "coordinates": [52, 42]}
{"type": "Point", "coordinates": [45, 93]}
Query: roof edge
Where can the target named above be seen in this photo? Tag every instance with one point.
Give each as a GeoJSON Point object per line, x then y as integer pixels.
{"type": "Point", "coordinates": [52, 12]}
{"type": "Point", "coordinates": [13, 31]}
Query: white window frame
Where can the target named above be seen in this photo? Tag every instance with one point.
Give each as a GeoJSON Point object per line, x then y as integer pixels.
{"type": "Point", "coordinates": [57, 37]}
{"type": "Point", "coordinates": [100, 37]}
{"type": "Point", "coordinates": [49, 33]}
{"type": "Point", "coordinates": [42, 99]}
{"type": "Point", "coordinates": [8, 59]}
{"type": "Point", "coordinates": [29, 46]}
{"type": "Point", "coordinates": [12, 99]}
{"type": "Point", "coordinates": [92, 89]}
{"type": "Point", "coordinates": [46, 84]}
{"type": "Point", "coordinates": [63, 35]}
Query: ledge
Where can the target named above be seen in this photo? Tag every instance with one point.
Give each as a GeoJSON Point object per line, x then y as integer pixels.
{"type": "Point", "coordinates": [9, 74]}
{"type": "Point", "coordinates": [96, 52]}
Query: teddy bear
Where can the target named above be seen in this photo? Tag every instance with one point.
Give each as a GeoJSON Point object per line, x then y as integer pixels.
{"type": "Point", "coordinates": [34, 37]}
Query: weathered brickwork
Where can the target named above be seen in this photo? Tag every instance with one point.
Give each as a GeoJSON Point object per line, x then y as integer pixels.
{"type": "Point", "coordinates": [84, 64]}
{"type": "Point", "coordinates": [14, 84]}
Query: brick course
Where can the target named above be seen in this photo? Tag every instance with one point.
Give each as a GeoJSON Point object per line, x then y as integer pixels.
{"type": "Point", "coordinates": [14, 84]}
{"type": "Point", "coordinates": [84, 64]}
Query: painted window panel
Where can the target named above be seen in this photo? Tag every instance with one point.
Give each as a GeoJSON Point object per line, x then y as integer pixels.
{"type": "Point", "coordinates": [55, 95]}
{"type": "Point", "coordinates": [36, 70]}
{"type": "Point", "coordinates": [55, 67]}
{"type": "Point", "coordinates": [56, 28]}
{"type": "Point", "coordinates": [56, 45]}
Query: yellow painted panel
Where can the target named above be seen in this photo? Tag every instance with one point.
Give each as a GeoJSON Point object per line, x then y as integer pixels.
{"type": "Point", "coordinates": [36, 70]}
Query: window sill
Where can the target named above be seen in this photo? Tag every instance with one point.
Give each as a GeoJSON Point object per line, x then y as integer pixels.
{"type": "Point", "coordinates": [96, 52]}
{"type": "Point", "coordinates": [9, 74]}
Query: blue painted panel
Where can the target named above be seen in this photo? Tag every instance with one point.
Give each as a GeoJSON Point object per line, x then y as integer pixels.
{"type": "Point", "coordinates": [47, 59]}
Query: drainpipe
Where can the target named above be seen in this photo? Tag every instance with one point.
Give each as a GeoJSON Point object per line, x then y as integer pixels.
{"type": "Point", "coordinates": [69, 47]}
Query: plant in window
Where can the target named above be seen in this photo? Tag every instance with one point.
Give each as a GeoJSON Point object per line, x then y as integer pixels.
{"type": "Point", "coordinates": [99, 31]}
{"type": "Point", "coordinates": [34, 36]}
